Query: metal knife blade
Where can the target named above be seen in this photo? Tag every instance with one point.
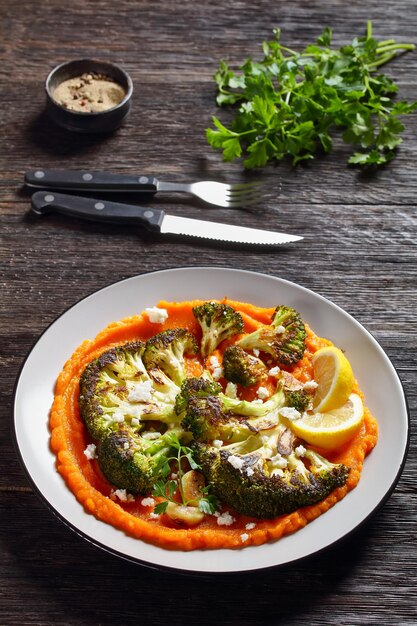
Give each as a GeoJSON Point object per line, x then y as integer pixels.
{"type": "Point", "coordinates": [153, 219]}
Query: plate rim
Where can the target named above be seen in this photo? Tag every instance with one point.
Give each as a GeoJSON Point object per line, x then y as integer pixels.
{"type": "Point", "coordinates": [202, 572]}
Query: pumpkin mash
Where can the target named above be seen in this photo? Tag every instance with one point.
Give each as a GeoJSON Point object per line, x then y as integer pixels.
{"type": "Point", "coordinates": [70, 439]}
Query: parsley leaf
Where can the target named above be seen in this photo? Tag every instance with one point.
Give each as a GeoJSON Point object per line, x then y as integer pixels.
{"type": "Point", "coordinates": [170, 489]}
{"type": "Point", "coordinates": [290, 103]}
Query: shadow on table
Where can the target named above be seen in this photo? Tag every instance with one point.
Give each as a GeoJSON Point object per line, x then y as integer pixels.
{"type": "Point", "coordinates": [72, 582]}
{"type": "Point", "coordinates": [61, 142]}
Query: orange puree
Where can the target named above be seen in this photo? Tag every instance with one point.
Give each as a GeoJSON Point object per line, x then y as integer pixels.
{"type": "Point", "coordinates": [69, 439]}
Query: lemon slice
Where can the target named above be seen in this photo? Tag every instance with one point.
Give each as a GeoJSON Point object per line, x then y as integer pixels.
{"type": "Point", "coordinates": [334, 376]}
{"type": "Point", "coordinates": [332, 429]}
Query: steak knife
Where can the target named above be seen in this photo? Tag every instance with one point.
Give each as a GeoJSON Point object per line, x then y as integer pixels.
{"type": "Point", "coordinates": [154, 220]}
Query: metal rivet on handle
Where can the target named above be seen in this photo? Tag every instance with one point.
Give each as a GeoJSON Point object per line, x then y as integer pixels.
{"type": "Point", "coordinates": [99, 206]}
{"type": "Point", "coordinates": [39, 174]}
{"type": "Point", "coordinates": [87, 176]}
{"type": "Point", "coordinates": [49, 198]}
{"type": "Point", "coordinates": [148, 214]}
{"type": "Point", "coordinates": [143, 180]}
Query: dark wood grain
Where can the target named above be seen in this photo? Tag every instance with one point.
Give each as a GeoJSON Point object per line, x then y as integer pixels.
{"type": "Point", "coordinates": [359, 251]}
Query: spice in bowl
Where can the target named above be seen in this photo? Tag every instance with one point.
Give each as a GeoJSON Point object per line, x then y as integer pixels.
{"type": "Point", "coordinates": [89, 93]}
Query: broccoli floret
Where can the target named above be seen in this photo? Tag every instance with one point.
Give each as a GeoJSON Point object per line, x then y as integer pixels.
{"type": "Point", "coordinates": [166, 350]}
{"type": "Point", "coordinates": [132, 462]}
{"type": "Point", "coordinates": [199, 387]}
{"type": "Point", "coordinates": [256, 480]}
{"type": "Point", "coordinates": [298, 399]}
{"type": "Point", "coordinates": [116, 388]}
{"type": "Point", "coordinates": [241, 367]}
{"type": "Point", "coordinates": [209, 414]}
{"type": "Point", "coordinates": [284, 338]}
{"type": "Point", "coordinates": [218, 322]}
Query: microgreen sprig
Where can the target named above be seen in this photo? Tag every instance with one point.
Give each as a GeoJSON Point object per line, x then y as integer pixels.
{"type": "Point", "coordinates": [168, 488]}
{"type": "Point", "coordinates": [290, 103]}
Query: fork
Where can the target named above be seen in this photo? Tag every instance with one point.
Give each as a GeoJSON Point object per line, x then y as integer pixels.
{"type": "Point", "coordinates": [220, 194]}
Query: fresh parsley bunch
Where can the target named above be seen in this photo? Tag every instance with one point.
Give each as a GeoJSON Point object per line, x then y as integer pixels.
{"type": "Point", "coordinates": [290, 103]}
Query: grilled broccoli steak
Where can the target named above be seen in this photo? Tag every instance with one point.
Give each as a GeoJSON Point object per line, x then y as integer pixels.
{"type": "Point", "coordinates": [132, 462]}
{"type": "Point", "coordinates": [103, 385]}
{"type": "Point", "coordinates": [166, 351]}
{"type": "Point", "coordinates": [245, 484]}
{"type": "Point", "coordinates": [241, 367]}
{"type": "Point", "coordinates": [284, 339]}
{"type": "Point", "coordinates": [218, 322]}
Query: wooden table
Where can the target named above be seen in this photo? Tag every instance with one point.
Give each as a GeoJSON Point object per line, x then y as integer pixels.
{"type": "Point", "coordinates": [359, 251]}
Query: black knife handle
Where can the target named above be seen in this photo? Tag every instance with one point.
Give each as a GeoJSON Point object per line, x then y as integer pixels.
{"type": "Point", "coordinates": [96, 210]}
{"type": "Point", "coordinates": [72, 180]}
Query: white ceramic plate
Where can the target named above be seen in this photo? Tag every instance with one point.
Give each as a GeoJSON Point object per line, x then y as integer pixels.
{"type": "Point", "coordinates": [379, 381]}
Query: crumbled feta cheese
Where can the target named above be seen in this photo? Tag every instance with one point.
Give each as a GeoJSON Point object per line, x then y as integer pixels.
{"type": "Point", "coordinates": [90, 451]}
{"type": "Point", "coordinates": [217, 443]}
{"type": "Point", "coordinates": [310, 385]}
{"type": "Point", "coordinates": [244, 537]}
{"type": "Point", "coordinates": [268, 452]}
{"type": "Point", "coordinates": [235, 461]}
{"type": "Point", "coordinates": [154, 515]}
{"type": "Point", "coordinates": [174, 476]}
{"type": "Point", "coordinates": [262, 393]}
{"type": "Point", "coordinates": [214, 362]}
{"type": "Point", "coordinates": [258, 401]}
{"type": "Point", "coordinates": [290, 413]}
{"type": "Point", "coordinates": [300, 450]}
{"type": "Point", "coordinates": [122, 495]}
{"type": "Point", "coordinates": [118, 417]}
{"type": "Point", "coordinates": [256, 352]}
{"type": "Point", "coordinates": [141, 392]}
{"type": "Point", "coordinates": [250, 526]}
{"type": "Point", "coordinates": [231, 390]}
{"type": "Point", "coordinates": [156, 316]}
{"type": "Point", "coordinates": [217, 373]}
{"type": "Point", "coordinates": [279, 462]}
{"type": "Point", "coordinates": [249, 471]}
{"type": "Point", "coordinates": [274, 371]}
{"type": "Point", "coordinates": [135, 421]}
{"type": "Point", "coordinates": [126, 445]}
{"type": "Point", "coordinates": [280, 329]}
{"type": "Point", "coordinates": [147, 502]}
{"type": "Point", "coordinates": [225, 519]}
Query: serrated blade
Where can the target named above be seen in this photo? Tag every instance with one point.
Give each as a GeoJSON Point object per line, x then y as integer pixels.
{"type": "Point", "coordinates": [174, 225]}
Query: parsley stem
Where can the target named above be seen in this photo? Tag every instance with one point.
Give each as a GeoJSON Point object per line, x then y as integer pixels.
{"type": "Point", "coordinates": [382, 60]}
{"type": "Point", "coordinates": [292, 52]}
{"type": "Point", "coordinates": [386, 42]}
{"type": "Point", "coordinates": [368, 29]}
{"type": "Point", "coordinates": [391, 47]}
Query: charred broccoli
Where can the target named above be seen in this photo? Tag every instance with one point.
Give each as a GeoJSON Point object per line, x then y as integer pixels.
{"type": "Point", "coordinates": [165, 351]}
{"type": "Point", "coordinates": [198, 387]}
{"type": "Point", "coordinates": [211, 415]}
{"type": "Point", "coordinates": [256, 480]}
{"type": "Point", "coordinates": [218, 322]}
{"type": "Point", "coordinates": [241, 367]}
{"type": "Point", "coordinates": [134, 462]}
{"type": "Point", "coordinates": [116, 388]}
{"type": "Point", "coordinates": [284, 338]}
{"type": "Point", "coordinates": [298, 399]}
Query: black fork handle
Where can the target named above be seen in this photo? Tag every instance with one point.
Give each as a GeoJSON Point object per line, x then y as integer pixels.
{"type": "Point", "coordinates": [83, 180]}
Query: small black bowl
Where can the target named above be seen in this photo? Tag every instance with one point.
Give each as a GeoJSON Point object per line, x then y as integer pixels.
{"type": "Point", "coordinates": [100, 122]}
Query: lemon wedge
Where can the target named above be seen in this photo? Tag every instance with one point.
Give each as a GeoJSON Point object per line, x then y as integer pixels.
{"type": "Point", "coordinates": [332, 429]}
{"type": "Point", "coordinates": [334, 377]}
